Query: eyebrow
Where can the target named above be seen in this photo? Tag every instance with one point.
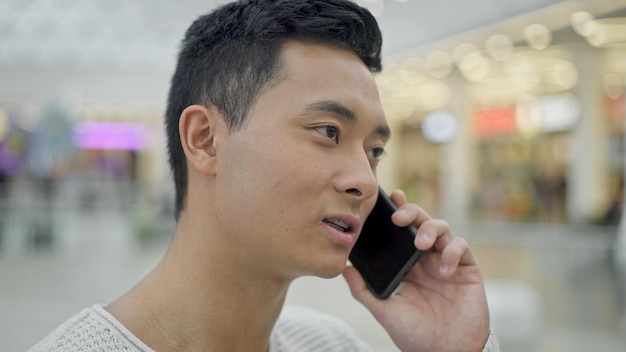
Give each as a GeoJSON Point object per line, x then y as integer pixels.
{"type": "Point", "coordinates": [334, 107]}
{"type": "Point", "coordinates": [345, 113]}
{"type": "Point", "coordinates": [384, 131]}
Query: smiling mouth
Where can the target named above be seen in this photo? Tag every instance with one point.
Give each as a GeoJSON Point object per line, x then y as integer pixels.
{"type": "Point", "coordinates": [337, 224]}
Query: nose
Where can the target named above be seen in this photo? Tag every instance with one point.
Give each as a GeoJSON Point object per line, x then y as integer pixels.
{"type": "Point", "coordinates": [357, 178]}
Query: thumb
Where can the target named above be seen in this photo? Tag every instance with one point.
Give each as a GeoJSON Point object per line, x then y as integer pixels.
{"type": "Point", "coordinates": [359, 289]}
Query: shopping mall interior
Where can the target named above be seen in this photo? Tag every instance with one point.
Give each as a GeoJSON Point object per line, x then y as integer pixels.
{"type": "Point", "coordinates": [508, 122]}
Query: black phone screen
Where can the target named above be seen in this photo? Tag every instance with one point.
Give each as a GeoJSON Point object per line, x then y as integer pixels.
{"type": "Point", "coordinates": [384, 252]}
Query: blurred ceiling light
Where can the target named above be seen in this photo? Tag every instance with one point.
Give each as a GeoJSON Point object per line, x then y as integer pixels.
{"type": "Point", "coordinates": [390, 77]}
{"type": "Point", "coordinates": [414, 64]}
{"type": "Point", "coordinates": [564, 75]}
{"type": "Point", "coordinates": [474, 67]}
{"type": "Point", "coordinates": [412, 79]}
{"type": "Point", "coordinates": [412, 71]}
{"type": "Point", "coordinates": [432, 95]}
{"type": "Point", "coordinates": [523, 72]}
{"type": "Point", "coordinates": [438, 64]}
{"type": "Point", "coordinates": [398, 110]}
{"type": "Point", "coordinates": [608, 31]}
{"type": "Point", "coordinates": [439, 127]}
{"type": "Point", "coordinates": [616, 60]}
{"type": "Point", "coordinates": [538, 36]}
{"type": "Point", "coordinates": [376, 7]}
{"type": "Point", "coordinates": [613, 85]}
{"type": "Point", "coordinates": [459, 52]}
{"type": "Point", "coordinates": [499, 47]}
{"type": "Point", "coordinates": [496, 92]}
{"type": "Point", "coordinates": [582, 22]}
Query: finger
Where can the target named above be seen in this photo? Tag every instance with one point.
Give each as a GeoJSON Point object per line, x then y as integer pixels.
{"type": "Point", "coordinates": [409, 214]}
{"type": "Point", "coordinates": [456, 252]}
{"type": "Point", "coordinates": [433, 233]}
{"type": "Point", "coordinates": [398, 197]}
{"type": "Point", "coordinates": [358, 288]}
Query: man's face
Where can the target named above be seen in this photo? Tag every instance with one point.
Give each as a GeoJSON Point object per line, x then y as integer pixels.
{"type": "Point", "coordinates": [295, 184]}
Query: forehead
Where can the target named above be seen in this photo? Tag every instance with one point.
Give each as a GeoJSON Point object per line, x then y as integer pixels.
{"type": "Point", "coordinates": [306, 60]}
{"type": "Point", "coordinates": [311, 73]}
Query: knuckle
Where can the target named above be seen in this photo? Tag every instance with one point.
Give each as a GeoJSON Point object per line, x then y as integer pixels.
{"type": "Point", "coordinates": [462, 242]}
{"type": "Point", "coordinates": [443, 225]}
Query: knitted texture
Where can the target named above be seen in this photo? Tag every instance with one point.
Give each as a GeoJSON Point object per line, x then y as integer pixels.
{"type": "Point", "coordinates": [304, 330]}
{"type": "Point", "coordinates": [91, 330]}
{"type": "Point", "coordinates": [298, 329]}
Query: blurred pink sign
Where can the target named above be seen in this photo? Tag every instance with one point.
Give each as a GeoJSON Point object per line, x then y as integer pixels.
{"type": "Point", "coordinates": [111, 135]}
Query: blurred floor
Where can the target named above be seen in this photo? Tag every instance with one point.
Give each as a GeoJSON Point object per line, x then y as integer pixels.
{"type": "Point", "coordinates": [551, 288]}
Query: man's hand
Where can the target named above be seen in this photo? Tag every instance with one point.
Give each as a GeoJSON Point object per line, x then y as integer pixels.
{"type": "Point", "coordinates": [441, 304]}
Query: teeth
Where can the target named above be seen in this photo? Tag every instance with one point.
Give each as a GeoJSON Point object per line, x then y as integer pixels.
{"type": "Point", "coordinates": [338, 224]}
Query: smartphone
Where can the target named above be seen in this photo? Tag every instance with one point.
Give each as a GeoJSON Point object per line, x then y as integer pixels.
{"type": "Point", "coordinates": [384, 252]}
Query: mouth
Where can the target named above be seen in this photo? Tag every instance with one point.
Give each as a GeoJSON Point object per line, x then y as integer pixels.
{"type": "Point", "coordinates": [343, 228]}
{"type": "Point", "coordinates": [338, 224]}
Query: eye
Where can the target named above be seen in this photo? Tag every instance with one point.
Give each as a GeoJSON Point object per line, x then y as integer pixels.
{"type": "Point", "coordinates": [331, 132]}
{"type": "Point", "coordinates": [376, 153]}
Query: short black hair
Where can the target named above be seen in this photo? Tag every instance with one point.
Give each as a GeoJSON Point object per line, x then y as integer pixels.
{"type": "Point", "coordinates": [230, 55]}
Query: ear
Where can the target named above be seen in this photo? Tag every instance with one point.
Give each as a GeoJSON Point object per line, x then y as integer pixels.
{"type": "Point", "coordinates": [197, 127]}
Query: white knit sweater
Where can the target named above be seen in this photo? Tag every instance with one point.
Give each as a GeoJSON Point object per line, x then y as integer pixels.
{"type": "Point", "coordinates": [297, 330]}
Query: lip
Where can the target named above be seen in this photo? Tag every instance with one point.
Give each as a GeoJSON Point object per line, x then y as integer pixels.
{"type": "Point", "coordinates": [347, 238]}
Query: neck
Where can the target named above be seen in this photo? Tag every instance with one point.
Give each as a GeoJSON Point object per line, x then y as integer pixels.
{"type": "Point", "coordinates": [203, 296]}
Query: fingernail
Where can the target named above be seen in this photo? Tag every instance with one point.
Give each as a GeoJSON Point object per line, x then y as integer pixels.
{"type": "Point", "coordinates": [445, 268]}
{"type": "Point", "coordinates": [425, 236]}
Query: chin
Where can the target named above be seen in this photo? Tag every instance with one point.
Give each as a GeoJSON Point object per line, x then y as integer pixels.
{"type": "Point", "coordinates": [330, 271]}
{"type": "Point", "coordinates": [327, 264]}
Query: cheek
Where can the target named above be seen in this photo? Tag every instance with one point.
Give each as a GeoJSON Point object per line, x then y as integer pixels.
{"type": "Point", "coordinates": [273, 177]}
{"type": "Point", "coordinates": [367, 207]}
{"type": "Point", "coordinates": [266, 198]}
{"type": "Point", "coordinates": [255, 176]}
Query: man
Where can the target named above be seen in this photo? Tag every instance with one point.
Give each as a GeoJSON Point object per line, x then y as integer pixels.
{"type": "Point", "coordinates": [275, 130]}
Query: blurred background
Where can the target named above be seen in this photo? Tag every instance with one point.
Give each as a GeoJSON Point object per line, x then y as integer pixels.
{"type": "Point", "coordinates": [508, 121]}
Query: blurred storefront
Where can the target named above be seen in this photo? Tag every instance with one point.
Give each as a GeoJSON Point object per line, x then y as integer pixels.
{"type": "Point", "coordinates": [58, 158]}
{"type": "Point", "coordinates": [523, 122]}
{"type": "Point", "coordinates": [53, 140]}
